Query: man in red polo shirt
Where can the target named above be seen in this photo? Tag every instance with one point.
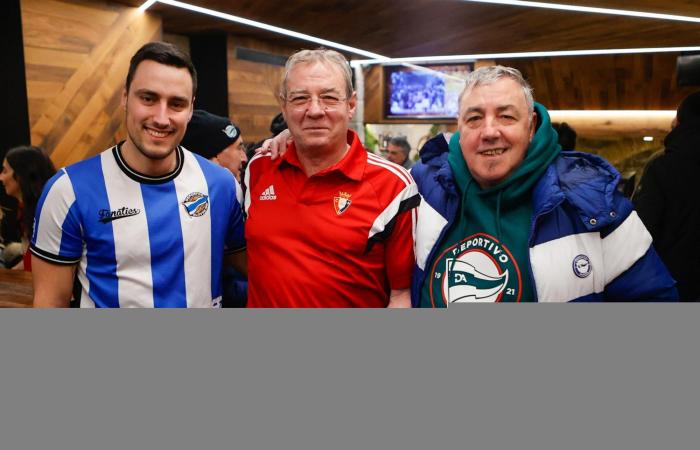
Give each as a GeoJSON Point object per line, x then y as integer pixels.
{"type": "Point", "coordinates": [328, 224]}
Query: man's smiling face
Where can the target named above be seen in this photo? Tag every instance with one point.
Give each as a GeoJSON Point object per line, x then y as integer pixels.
{"type": "Point", "coordinates": [158, 106]}
{"type": "Point", "coordinates": [495, 130]}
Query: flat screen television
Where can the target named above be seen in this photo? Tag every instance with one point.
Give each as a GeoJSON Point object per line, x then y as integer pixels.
{"type": "Point", "coordinates": [423, 92]}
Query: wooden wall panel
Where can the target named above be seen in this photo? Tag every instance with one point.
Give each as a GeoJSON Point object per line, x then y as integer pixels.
{"type": "Point", "coordinates": [614, 82]}
{"type": "Point", "coordinates": [374, 94]}
{"type": "Point", "coordinates": [77, 57]}
{"type": "Point", "coordinates": [253, 87]}
{"type": "Point", "coordinates": [641, 81]}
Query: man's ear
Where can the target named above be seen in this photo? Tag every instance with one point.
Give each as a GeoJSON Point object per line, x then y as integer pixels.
{"type": "Point", "coordinates": [124, 95]}
{"type": "Point", "coordinates": [283, 106]}
{"type": "Point", "coordinates": [533, 125]}
{"type": "Point", "coordinates": [352, 104]}
{"type": "Point", "coordinates": [191, 110]}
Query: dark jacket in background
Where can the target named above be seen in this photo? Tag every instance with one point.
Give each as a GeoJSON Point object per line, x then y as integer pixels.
{"type": "Point", "coordinates": [668, 202]}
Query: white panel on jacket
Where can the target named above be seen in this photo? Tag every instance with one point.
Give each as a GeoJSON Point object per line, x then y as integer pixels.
{"type": "Point", "coordinates": [624, 246]}
{"type": "Point", "coordinates": [568, 268]}
{"type": "Point", "coordinates": [430, 224]}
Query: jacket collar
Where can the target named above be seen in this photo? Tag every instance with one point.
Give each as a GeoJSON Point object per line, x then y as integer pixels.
{"type": "Point", "coordinates": [586, 181]}
{"type": "Point", "coordinates": [434, 154]}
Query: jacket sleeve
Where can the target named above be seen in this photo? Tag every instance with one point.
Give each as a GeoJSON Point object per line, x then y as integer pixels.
{"type": "Point", "coordinates": [634, 271]}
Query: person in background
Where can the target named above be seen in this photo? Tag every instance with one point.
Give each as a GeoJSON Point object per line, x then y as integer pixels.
{"type": "Point", "coordinates": [10, 233]}
{"type": "Point", "coordinates": [217, 139]}
{"type": "Point", "coordinates": [506, 216]}
{"type": "Point", "coordinates": [25, 171]}
{"type": "Point", "coordinates": [278, 124]}
{"type": "Point", "coordinates": [667, 199]}
{"type": "Point", "coordinates": [567, 136]}
{"type": "Point", "coordinates": [328, 224]}
{"type": "Point", "coordinates": [397, 152]}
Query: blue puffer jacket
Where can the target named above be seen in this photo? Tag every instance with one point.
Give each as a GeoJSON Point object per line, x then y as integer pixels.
{"type": "Point", "coordinates": [578, 214]}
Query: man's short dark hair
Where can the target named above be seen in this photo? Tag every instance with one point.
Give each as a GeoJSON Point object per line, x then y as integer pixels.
{"type": "Point", "coordinates": [163, 53]}
{"type": "Point", "coordinates": [401, 142]}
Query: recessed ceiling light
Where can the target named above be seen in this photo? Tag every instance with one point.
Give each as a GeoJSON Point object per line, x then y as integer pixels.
{"type": "Point", "coordinates": [380, 59]}
{"type": "Point", "coordinates": [590, 9]}
{"type": "Point", "coordinates": [264, 26]}
{"type": "Point", "coordinates": [147, 5]}
{"type": "Point", "coordinates": [545, 54]}
{"type": "Point", "coordinates": [620, 113]}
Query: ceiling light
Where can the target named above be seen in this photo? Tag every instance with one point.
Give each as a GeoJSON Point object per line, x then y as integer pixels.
{"type": "Point", "coordinates": [621, 113]}
{"type": "Point", "coordinates": [648, 138]}
{"type": "Point", "coordinates": [381, 59]}
{"type": "Point", "coordinates": [264, 26]}
{"type": "Point", "coordinates": [147, 5]}
{"type": "Point", "coordinates": [544, 54]}
{"type": "Point", "coordinates": [590, 9]}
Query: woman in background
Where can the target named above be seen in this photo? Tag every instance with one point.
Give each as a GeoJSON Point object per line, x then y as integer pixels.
{"type": "Point", "coordinates": [25, 170]}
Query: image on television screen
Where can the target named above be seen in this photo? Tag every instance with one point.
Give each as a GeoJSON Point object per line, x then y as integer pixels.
{"type": "Point", "coordinates": [424, 92]}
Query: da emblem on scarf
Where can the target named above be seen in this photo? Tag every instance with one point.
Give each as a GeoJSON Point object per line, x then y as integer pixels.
{"type": "Point", "coordinates": [476, 269]}
{"type": "Point", "coordinates": [341, 202]}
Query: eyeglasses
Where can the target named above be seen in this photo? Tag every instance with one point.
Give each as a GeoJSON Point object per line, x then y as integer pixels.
{"type": "Point", "coordinates": [326, 102]}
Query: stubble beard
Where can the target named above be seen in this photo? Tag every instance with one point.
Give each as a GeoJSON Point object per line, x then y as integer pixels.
{"type": "Point", "coordinates": [156, 156]}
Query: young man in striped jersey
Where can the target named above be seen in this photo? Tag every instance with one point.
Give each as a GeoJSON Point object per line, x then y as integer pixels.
{"type": "Point", "coordinates": [145, 222]}
{"type": "Point", "coordinates": [328, 224]}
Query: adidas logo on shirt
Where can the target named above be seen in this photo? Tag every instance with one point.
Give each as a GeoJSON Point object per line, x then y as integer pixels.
{"type": "Point", "coordinates": [269, 194]}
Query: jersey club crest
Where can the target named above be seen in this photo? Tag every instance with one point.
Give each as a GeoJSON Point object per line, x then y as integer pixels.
{"type": "Point", "coordinates": [196, 204]}
{"type": "Point", "coordinates": [341, 202]}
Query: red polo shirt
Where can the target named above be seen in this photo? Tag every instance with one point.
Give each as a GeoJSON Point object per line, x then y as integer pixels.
{"type": "Point", "coordinates": [340, 238]}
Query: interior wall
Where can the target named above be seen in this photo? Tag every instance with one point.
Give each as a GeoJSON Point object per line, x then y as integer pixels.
{"type": "Point", "coordinates": [76, 59]}
{"type": "Point", "coordinates": [253, 87]}
{"type": "Point", "coordinates": [604, 82]}
{"type": "Point", "coordinates": [645, 82]}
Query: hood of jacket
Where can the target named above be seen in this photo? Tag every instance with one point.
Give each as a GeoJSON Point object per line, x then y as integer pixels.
{"type": "Point", "coordinates": [587, 181]}
{"type": "Point", "coordinates": [684, 139]}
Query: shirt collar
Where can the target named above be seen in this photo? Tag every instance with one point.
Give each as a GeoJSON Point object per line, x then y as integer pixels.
{"type": "Point", "coordinates": [352, 165]}
{"type": "Point", "coordinates": [143, 178]}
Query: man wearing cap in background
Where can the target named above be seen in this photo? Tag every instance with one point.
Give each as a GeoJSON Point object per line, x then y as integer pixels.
{"type": "Point", "coordinates": [219, 140]}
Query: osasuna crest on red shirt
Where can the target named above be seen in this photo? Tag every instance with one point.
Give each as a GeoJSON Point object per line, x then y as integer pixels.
{"type": "Point", "coordinates": [341, 202]}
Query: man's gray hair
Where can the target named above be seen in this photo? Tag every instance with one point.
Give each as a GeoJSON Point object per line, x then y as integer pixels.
{"type": "Point", "coordinates": [401, 142]}
{"type": "Point", "coordinates": [491, 74]}
{"type": "Point", "coordinates": [321, 55]}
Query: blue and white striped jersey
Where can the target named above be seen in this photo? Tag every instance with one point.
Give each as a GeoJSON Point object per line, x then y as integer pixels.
{"type": "Point", "coordinates": [141, 241]}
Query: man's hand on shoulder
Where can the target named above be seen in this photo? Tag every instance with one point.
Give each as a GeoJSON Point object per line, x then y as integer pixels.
{"type": "Point", "coordinates": [275, 146]}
